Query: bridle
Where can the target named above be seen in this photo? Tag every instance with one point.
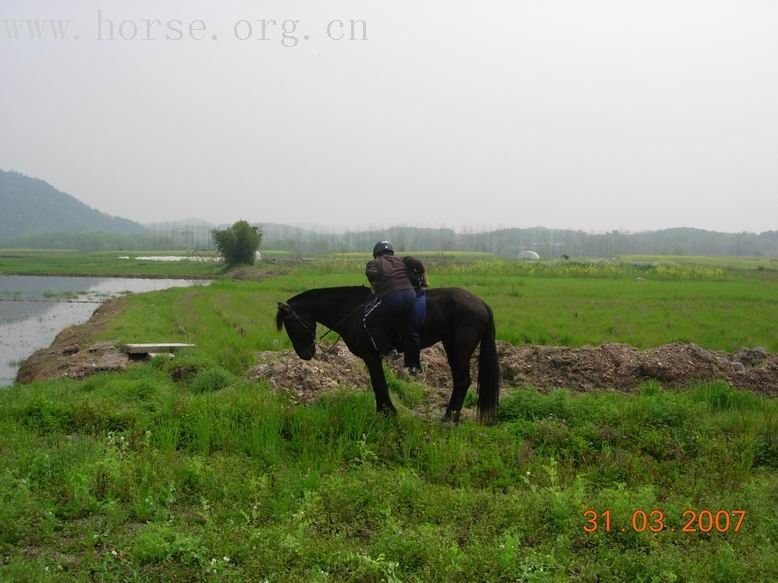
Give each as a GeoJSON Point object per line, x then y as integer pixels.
{"type": "Point", "coordinates": [311, 330]}
{"type": "Point", "coordinates": [301, 321]}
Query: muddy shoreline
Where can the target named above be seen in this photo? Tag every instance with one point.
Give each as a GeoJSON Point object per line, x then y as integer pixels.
{"type": "Point", "coordinates": [74, 352]}
{"type": "Point", "coordinates": [116, 275]}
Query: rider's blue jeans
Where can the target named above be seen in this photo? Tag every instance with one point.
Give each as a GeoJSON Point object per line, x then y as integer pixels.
{"type": "Point", "coordinates": [396, 309]}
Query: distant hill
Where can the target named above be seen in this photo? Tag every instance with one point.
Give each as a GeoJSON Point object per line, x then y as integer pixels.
{"type": "Point", "coordinates": [35, 214]}
{"type": "Point", "coordinates": [30, 206]}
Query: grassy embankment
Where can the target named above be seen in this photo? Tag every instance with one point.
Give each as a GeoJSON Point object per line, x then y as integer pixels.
{"type": "Point", "coordinates": [185, 470]}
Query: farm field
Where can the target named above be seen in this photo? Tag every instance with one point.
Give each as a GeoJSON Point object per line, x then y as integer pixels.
{"type": "Point", "coordinates": [188, 470]}
{"type": "Point", "coordinates": [554, 305]}
{"type": "Point", "coordinates": [106, 263]}
{"type": "Point", "coordinates": [116, 264]}
{"type": "Point", "coordinates": [744, 263]}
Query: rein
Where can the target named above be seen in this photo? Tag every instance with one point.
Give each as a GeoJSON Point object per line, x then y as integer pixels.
{"type": "Point", "coordinates": [314, 340]}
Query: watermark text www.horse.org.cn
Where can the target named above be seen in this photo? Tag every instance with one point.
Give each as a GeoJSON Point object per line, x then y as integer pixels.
{"type": "Point", "coordinates": [288, 32]}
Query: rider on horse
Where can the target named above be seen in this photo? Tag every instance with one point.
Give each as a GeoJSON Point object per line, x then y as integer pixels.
{"type": "Point", "coordinates": [394, 282]}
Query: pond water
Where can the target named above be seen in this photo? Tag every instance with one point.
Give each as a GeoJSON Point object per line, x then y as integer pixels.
{"type": "Point", "coordinates": [173, 258]}
{"type": "Point", "coordinates": [34, 309]}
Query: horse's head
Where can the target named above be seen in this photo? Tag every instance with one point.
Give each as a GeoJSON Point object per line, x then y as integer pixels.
{"type": "Point", "coordinates": [301, 330]}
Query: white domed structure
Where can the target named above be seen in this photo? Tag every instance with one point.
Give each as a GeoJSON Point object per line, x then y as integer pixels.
{"type": "Point", "coordinates": [529, 256]}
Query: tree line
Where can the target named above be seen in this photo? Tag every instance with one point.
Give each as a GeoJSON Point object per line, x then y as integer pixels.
{"type": "Point", "coordinates": [503, 242]}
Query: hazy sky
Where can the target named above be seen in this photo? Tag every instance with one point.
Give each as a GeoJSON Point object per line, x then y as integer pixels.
{"type": "Point", "coordinates": [584, 114]}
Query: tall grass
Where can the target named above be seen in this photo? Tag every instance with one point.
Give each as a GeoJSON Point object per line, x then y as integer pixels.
{"type": "Point", "coordinates": [172, 483]}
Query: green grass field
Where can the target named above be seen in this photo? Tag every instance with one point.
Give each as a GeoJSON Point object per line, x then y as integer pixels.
{"type": "Point", "coordinates": [233, 319]}
{"type": "Point", "coordinates": [185, 470]}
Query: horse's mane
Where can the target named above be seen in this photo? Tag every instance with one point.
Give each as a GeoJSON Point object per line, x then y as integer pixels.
{"type": "Point", "coordinates": [351, 294]}
{"type": "Point", "coordinates": [279, 319]}
{"type": "Point", "coordinates": [342, 293]}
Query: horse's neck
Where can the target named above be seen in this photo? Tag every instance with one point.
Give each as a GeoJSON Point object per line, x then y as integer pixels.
{"type": "Point", "coordinates": [331, 312]}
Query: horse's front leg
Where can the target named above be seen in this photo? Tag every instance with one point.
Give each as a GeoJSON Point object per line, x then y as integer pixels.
{"type": "Point", "coordinates": [381, 390]}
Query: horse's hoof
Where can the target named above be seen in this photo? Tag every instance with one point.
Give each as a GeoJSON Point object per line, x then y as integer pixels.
{"type": "Point", "coordinates": [451, 418]}
{"type": "Point", "coordinates": [487, 418]}
{"type": "Point", "coordinates": [387, 410]}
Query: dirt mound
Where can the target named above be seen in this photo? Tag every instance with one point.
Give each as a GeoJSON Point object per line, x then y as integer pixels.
{"type": "Point", "coordinates": [622, 367]}
{"type": "Point", "coordinates": [610, 366]}
{"type": "Point", "coordinates": [306, 380]}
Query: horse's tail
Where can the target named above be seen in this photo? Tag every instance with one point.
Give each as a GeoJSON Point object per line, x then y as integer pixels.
{"type": "Point", "coordinates": [488, 372]}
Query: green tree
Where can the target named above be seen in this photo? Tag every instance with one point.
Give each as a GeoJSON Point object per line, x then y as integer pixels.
{"type": "Point", "coordinates": [238, 244]}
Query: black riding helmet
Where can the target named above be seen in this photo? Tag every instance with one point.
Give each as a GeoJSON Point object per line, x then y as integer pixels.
{"type": "Point", "coordinates": [383, 248]}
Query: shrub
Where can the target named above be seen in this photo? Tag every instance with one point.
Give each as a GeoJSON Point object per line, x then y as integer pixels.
{"type": "Point", "coordinates": [183, 368]}
{"type": "Point", "coordinates": [212, 379]}
{"type": "Point", "coordinates": [238, 244]}
{"type": "Point", "coordinates": [159, 543]}
{"type": "Point", "coordinates": [44, 414]}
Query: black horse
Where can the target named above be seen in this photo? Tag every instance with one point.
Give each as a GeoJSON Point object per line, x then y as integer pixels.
{"type": "Point", "coordinates": [454, 316]}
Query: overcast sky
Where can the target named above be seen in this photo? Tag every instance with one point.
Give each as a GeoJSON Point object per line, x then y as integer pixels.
{"type": "Point", "coordinates": [583, 114]}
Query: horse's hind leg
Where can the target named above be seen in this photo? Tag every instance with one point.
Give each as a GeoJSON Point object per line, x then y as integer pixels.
{"type": "Point", "coordinates": [460, 373]}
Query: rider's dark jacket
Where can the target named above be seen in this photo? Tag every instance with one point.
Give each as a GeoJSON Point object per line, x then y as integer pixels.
{"type": "Point", "coordinates": [388, 273]}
